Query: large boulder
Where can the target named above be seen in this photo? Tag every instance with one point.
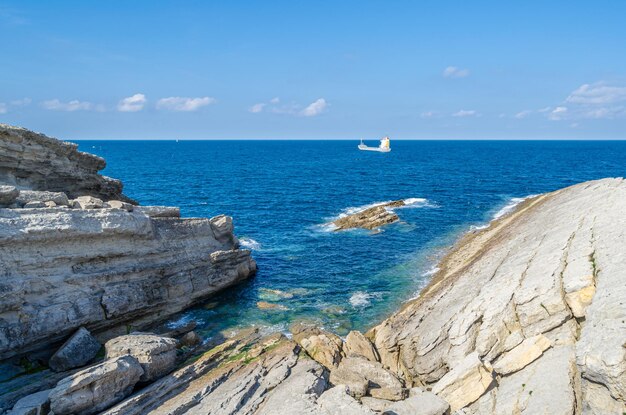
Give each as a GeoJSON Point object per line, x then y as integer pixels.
{"type": "Point", "coordinates": [324, 347]}
{"type": "Point", "coordinates": [88, 202]}
{"type": "Point", "coordinates": [96, 388]}
{"type": "Point", "coordinates": [155, 354]}
{"type": "Point", "coordinates": [77, 351]}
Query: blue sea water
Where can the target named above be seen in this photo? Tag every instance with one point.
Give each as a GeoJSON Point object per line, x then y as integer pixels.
{"type": "Point", "coordinates": [281, 193]}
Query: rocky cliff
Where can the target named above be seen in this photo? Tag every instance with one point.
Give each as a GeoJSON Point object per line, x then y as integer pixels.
{"type": "Point", "coordinates": [88, 262]}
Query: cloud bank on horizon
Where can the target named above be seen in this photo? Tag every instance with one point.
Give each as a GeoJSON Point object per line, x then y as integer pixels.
{"type": "Point", "coordinates": [410, 70]}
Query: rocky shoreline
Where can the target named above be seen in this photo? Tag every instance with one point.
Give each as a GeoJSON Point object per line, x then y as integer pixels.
{"type": "Point", "coordinates": [525, 316]}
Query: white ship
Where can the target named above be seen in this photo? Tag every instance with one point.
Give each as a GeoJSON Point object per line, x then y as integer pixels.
{"type": "Point", "coordinates": [383, 147]}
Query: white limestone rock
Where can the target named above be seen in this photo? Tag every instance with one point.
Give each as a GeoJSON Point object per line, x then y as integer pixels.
{"type": "Point", "coordinates": [96, 388]}
{"type": "Point", "coordinates": [155, 354]}
{"type": "Point", "coordinates": [35, 404]}
{"type": "Point", "coordinates": [523, 354]}
{"type": "Point", "coordinates": [77, 351]}
{"type": "Point", "coordinates": [358, 345]}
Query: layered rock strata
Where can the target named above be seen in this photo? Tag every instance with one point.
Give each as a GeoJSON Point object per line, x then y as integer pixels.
{"type": "Point", "coordinates": [33, 161]}
{"type": "Point", "coordinates": [91, 261]}
{"type": "Point", "coordinates": [527, 316]}
{"type": "Point", "coordinates": [370, 218]}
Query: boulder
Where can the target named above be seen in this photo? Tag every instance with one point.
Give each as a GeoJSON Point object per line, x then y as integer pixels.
{"type": "Point", "coordinates": [77, 351]}
{"type": "Point", "coordinates": [465, 383]}
{"type": "Point", "coordinates": [87, 202]}
{"type": "Point", "coordinates": [8, 195]}
{"type": "Point", "coordinates": [118, 204]}
{"type": "Point", "coordinates": [358, 345]}
{"type": "Point", "coordinates": [337, 401]}
{"type": "Point", "coordinates": [27, 196]}
{"type": "Point", "coordinates": [94, 389]}
{"type": "Point", "coordinates": [523, 354]}
{"type": "Point", "coordinates": [375, 404]}
{"type": "Point", "coordinates": [419, 403]}
{"type": "Point", "coordinates": [155, 354]}
{"type": "Point", "coordinates": [35, 404]}
{"type": "Point", "coordinates": [324, 347]}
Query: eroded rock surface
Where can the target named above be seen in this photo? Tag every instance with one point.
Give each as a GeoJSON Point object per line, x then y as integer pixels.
{"type": "Point", "coordinates": [540, 294]}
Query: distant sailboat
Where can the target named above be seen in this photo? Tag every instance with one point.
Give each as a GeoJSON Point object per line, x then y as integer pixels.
{"type": "Point", "coordinates": [384, 146]}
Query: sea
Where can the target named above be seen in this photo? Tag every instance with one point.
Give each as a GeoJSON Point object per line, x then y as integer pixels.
{"type": "Point", "coordinates": [283, 194]}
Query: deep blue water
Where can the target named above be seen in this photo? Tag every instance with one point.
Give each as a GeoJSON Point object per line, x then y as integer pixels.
{"type": "Point", "coordinates": [281, 192]}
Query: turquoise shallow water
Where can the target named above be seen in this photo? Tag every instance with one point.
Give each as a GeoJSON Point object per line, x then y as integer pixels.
{"type": "Point", "coordinates": [280, 194]}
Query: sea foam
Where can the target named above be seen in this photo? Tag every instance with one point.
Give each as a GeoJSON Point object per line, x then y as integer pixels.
{"type": "Point", "coordinates": [249, 243]}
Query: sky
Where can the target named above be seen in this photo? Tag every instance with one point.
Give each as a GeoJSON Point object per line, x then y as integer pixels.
{"type": "Point", "coordinates": [314, 69]}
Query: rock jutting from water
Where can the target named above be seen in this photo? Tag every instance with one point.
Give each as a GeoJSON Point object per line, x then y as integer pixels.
{"type": "Point", "coordinates": [370, 218]}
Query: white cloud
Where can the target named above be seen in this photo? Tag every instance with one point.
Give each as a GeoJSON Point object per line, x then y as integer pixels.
{"type": "Point", "coordinates": [3, 108]}
{"type": "Point", "coordinates": [184, 103]}
{"type": "Point", "coordinates": [132, 104]}
{"type": "Point", "coordinates": [557, 114]}
{"type": "Point", "coordinates": [465, 113]}
{"type": "Point", "coordinates": [314, 108]}
{"type": "Point", "coordinates": [256, 108]}
{"type": "Point", "coordinates": [454, 72]}
{"type": "Point", "coordinates": [597, 94]}
{"type": "Point", "coordinates": [275, 100]}
{"type": "Point", "coordinates": [21, 102]}
{"type": "Point", "coordinates": [523, 114]}
{"type": "Point", "coordinates": [74, 105]}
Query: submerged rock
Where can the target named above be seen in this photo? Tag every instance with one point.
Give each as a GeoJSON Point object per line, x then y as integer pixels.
{"type": "Point", "coordinates": [370, 218]}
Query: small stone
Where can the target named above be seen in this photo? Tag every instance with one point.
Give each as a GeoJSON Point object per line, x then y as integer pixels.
{"type": "Point", "coordinates": [77, 351]}
{"type": "Point", "coordinates": [88, 202]}
{"type": "Point", "coordinates": [356, 383]}
{"type": "Point", "coordinates": [338, 401]}
{"type": "Point", "coordinates": [155, 354]}
{"type": "Point", "coordinates": [50, 204]}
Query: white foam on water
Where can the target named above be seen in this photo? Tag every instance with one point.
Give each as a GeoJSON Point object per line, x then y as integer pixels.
{"type": "Point", "coordinates": [412, 202]}
{"type": "Point", "coordinates": [510, 206]}
{"type": "Point", "coordinates": [183, 321]}
{"type": "Point", "coordinates": [360, 299]}
{"type": "Point", "coordinates": [432, 271]}
{"type": "Point", "coordinates": [249, 243]}
{"type": "Point", "coordinates": [475, 228]}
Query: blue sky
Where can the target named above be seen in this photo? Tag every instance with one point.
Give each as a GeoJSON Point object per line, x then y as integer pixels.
{"type": "Point", "coordinates": [314, 69]}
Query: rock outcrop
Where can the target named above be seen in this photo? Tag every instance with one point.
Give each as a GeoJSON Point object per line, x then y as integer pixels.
{"type": "Point", "coordinates": [33, 161]}
{"type": "Point", "coordinates": [370, 218]}
{"type": "Point", "coordinates": [528, 315]}
{"type": "Point", "coordinates": [95, 261]}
